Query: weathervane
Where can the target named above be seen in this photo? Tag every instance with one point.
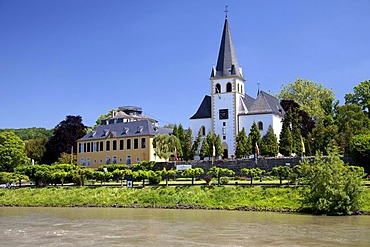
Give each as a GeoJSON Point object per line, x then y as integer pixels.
{"type": "Point", "coordinates": [258, 85]}
{"type": "Point", "coordinates": [226, 10]}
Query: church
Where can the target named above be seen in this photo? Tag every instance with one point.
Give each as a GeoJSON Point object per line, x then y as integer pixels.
{"type": "Point", "coordinates": [228, 109]}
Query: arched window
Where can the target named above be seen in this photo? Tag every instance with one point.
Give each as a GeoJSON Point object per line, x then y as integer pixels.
{"type": "Point", "coordinates": [260, 125]}
{"type": "Point", "coordinates": [203, 130]}
{"type": "Point", "coordinates": [238, 88]}
{"type": "Point", "coordinates": [241, 88]}
{"type": "Point", "coordinates": [218, 88]}
{"type": "Point", "coordinates": [228, 87]}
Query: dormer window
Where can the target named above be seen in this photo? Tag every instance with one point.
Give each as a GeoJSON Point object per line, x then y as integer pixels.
{"type": "Point", "coordinates": [93, 133]}
{"type": "Point", "coordinates": [105, 132]}
{"type": "Point", "coordinates": [155, 128]}
{"type": "Point", "coordinates": [140, 129]}
{"type": "Point", "coordinates": [125, 130]}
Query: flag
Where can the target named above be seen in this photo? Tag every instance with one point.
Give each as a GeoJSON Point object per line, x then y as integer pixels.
{"type": "Point", "coordinates": [257, 149]}
{"type": "Point", "coordinates": [213, 151]}
{"type": "Point", "coordinates": [176, 153]}
{"type": "Point", "coordinates": [303, 147]}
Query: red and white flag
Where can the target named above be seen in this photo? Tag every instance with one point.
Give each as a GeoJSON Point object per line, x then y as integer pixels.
{"type": "Point", "coordinates": [257, 149]}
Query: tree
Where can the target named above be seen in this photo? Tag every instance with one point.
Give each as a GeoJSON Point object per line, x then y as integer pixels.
{"type": "Point", "coordinates": [12, 152]}
{"type": "Point", "coordinates": [241, 149]}
{"type": "Point", "coordinates": [218, 172]}
{"type": "Point", "coordinates": [65, 135]}
{"type": "Point", "coordinates": [104, 116]}
{"type": "Point", "coordinates": [36, 148]}
{"type": "Point", "coordinates": [285, 143]}
{"type": "Point", "coordinates": [165, 145]}
{"type": "Point", "coordinates": [253, 172]}
{"type": "Point", "coordinates": [120, 174]}
{"type": "Point", "coordinates": [334, 188]}
{"type": "Point", "coordinates": [360, 96]}
{"type": "Point", "coordinates": [27, 134]}
{"type": "Point", "coordinates": [323, 137]}
{"type": "Point", "coordinates": [313, 98]}
{"type": "Point", "coordinates": [197, 141]}
{"type": "Point", "coordinates": [67, 158]}
{"type": "Point", "coordinates": [204, 149]}
{"type": "Point", "coordinates": [360, 150]}
{"type": "Point", "coordinates": [269, 145]}
{"type": "Point", "coordinates": [192, 172]}
{"type": "Point", "coordinates": [254, 138]}
{"type": "Point", "coordinates": [351, 121]}
{"type": "Point", "coordinates": [211, 146]}
{"type": "Point", "coordinates": [187, 145]}
{"type": "Point", "coordinates": [167, 174]}
{"type": "Point", "coordinates": [281, 172]}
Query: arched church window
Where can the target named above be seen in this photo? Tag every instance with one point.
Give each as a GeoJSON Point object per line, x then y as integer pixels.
{"type": "Point", "coordinates": [203, 130]}
{"type": "Point", "coordinates": [241, 88]}
{"type": "Point", "coordinates": [228, 87]}
{"type": "Point", "coordinates": [238, 88]}
{"type": "Point", "coordinates": [260, 125]}
{"type": "Point", "coordinates": [218, 88]}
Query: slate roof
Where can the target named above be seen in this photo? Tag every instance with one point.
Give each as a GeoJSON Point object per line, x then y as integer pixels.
{"type": "Point", "coordinates": [204, 110]}
{"type": "Point", "coordinates": [265, 103]}
{"type": "Point", "coordinates": [128, 129]}
{"type": "Point", "coordinates": [227, 64]}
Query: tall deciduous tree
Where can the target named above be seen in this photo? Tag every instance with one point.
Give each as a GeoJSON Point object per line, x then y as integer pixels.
{"type": "Point", "coordinates": [12, 152]}
{"type": "Point", "coordinates": [313, 98]}
{"type": "Point", "coordinates": [360, 150]}
{"type": "Point", "coordinates": [36, 148]}
{"type": "Point", "coordinates": [269, 145]}
{"type": "Point", "coordinates": [241, 149]}
{"type": "Point", "coordinates": [360, 96]}
{"type": "Point", "coordinates": [65, 135]}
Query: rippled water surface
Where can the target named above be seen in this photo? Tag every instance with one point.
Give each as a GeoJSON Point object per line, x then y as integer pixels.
{"type": "Point", "coordinates": [160, 227]}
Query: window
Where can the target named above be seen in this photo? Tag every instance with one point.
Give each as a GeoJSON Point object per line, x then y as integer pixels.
{"type": "Point", "coordinates": [241, 88]}
{"type": "Point", "coordinates": [114, 144]}
{"type": "Point", "coordinates": [94, 161]}
{"type": "Point", "coordinates": [228, 87]}
{"type": "Point", "coordinates": [224, 137]}
{"type": "Point", "coordinates": [218, 88]}
{"type": "Point", "coordinates": [260, 125]}
{"type": "Point", "coordinates": [81, 147]}
{"type": "Point", "coordinates": [121, 143]}
{"type": "Point", "coordinates": [82, 162]}
{"type": "Point", "coordinates": [114, 160]}
{"type": "Point", "coordinates": [128, 144]}
{"type": "Point", "coordinates": [101, 146]}
{"type": "Point", "coordinates": [101, 161]}
{"type": "Point", "coordinates": [128, 160]}
{"type": "Point", "coordinates": [107, 146]}
{"type": "Point", "coordinates": [95, 147]}
{"type": "Point", "coordinates": [120, 160]}
{"type": "Point", "coordinates": [143, 144]}
{"type": "Point", "coordinates": [238, 88]}
{"type": "Point", "coordinates": [137, 160]}
{"type": "Point", "coordinates": [136, 143]}
{"type": "Point", "coordinates": [87, 162]}
{"type": "Point", "coordinates": [88, 147]}
{"type": "Point", "coordinates": [224, 124]}
{"type": "Point", "coordinates": [203, 130]}
{"type": "Point", "coordinates": [107, 160]}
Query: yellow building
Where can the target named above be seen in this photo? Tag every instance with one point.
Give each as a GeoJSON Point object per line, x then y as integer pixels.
{"type": "Point", "coordinates": [126, 137]}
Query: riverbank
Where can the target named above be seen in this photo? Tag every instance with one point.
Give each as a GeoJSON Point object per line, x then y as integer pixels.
{"type": "Point", "coordinates": [254, 198]}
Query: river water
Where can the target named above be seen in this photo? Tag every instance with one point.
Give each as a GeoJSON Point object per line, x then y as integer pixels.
{"type": "Point", "coordinates": [169, 227]}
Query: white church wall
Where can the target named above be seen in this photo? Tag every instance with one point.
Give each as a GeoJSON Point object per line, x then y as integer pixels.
{"type": "Point", "coordinates": [196, 124]}
{"type": "Point", "coordinates": [246, 121]}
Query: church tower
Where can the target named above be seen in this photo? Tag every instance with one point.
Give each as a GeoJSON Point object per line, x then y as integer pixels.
{"type": "Point", "coordinates": [227, 93]}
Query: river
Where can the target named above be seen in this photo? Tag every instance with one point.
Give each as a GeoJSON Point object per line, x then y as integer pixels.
{"type": "Point", "coordinates": [169, 227]}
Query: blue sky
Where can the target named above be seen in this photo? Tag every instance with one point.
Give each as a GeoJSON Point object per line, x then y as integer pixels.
{"type": "Point", "coordinates": [85, 57]}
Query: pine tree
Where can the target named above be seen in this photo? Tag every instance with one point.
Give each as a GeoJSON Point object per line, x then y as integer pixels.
{"type": "Point", "coordinates": [218, 145]}
{"type": "Point", "coordinates": [254, 137]}
{"type": "Point", "coordinates": [196, 143]}
{"type": "Point", "coordinates": [187, 148]}
{"type": "Point", "coordinates": [285, 144]}
{"type": "Point", "coordinates": [241, 144]}
{"type": "Point", "coordinates": [269, 145]}
{"type": "Point", "coordinates": [181, 133]}
{"type": "Point", "coordinates": [175, 131]}
{"type": "Point", "coordinates": [204, 150]}
{"type": "Point", "coordinates": [296, 134]}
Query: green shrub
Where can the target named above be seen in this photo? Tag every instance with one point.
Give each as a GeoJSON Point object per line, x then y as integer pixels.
{"type": "Point", "coordinates": [224, 180]}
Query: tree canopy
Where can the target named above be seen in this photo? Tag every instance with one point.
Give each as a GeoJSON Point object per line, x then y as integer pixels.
{"type": "Point", "coordinates": [12, 152]}
{"type": "Point", "coordinates": [360, 96]}
{"type": "Point", "coordinates": [312, 97]}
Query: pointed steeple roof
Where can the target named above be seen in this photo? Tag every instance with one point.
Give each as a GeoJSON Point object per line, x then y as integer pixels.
{"type": "Point", "coordinates": [227, 64]}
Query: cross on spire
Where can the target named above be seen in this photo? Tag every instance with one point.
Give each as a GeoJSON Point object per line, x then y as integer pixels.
{"type": "Point", "coordinates": [226, 10]}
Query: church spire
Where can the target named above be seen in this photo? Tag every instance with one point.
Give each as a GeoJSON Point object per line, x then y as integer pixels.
{"type": "Point", "coordinates": [227, 64]}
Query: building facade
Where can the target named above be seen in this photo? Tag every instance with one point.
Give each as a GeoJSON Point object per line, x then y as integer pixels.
{"type": "Point", "coordinates": [126, 137]}
{"type": "Point", "coordinates": [228, 109]}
